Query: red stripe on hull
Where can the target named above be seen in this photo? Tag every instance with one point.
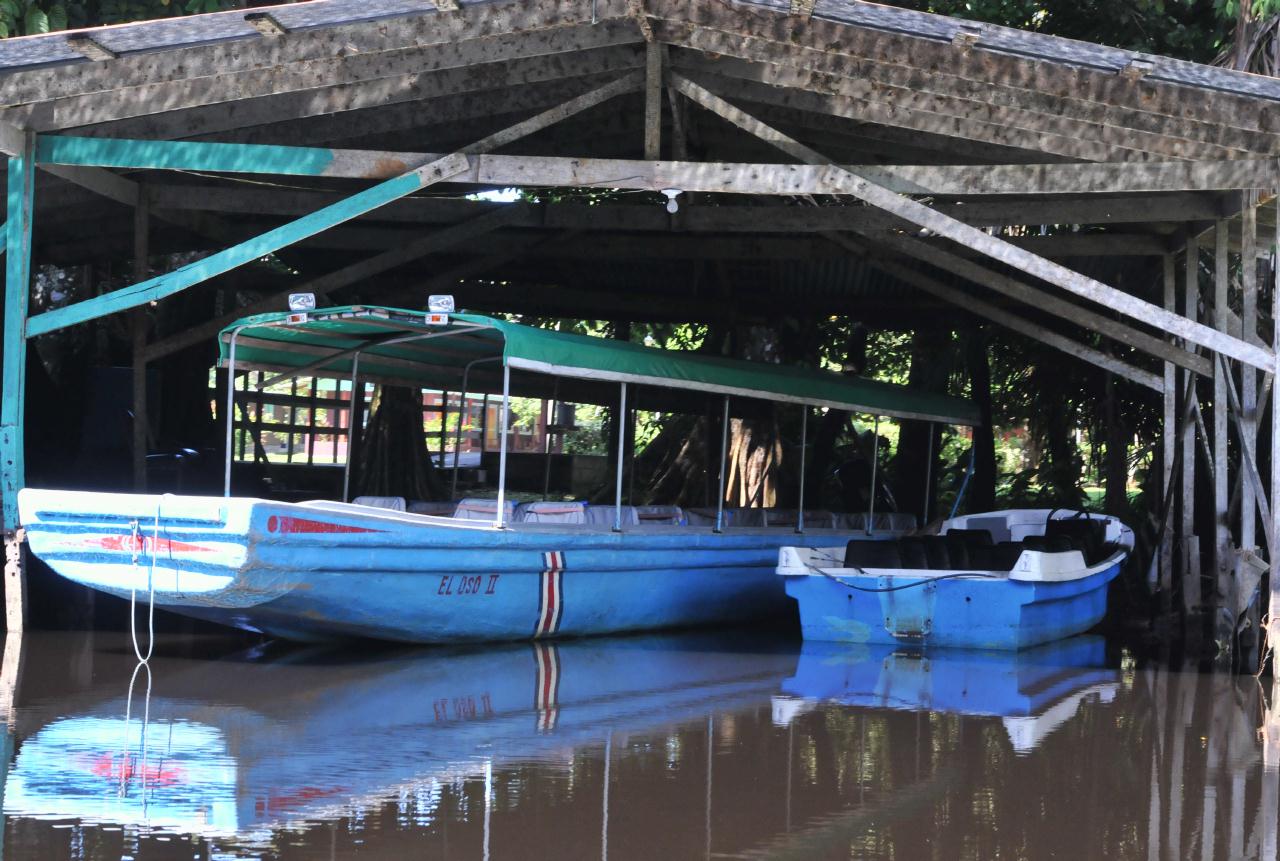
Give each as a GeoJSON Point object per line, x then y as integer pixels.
{"type": "Point", "coordinates": [301, 526]}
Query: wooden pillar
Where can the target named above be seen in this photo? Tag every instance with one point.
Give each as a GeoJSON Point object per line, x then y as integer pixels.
{"type": "Point", "coordinates": [1190, 543]}
{"type": "Point", "coordinates": [1169, 439]}
{"type": "Point", "coordinates": [1221, 485]}
{"type": "Point", "coordinates": [652, 101]}
{"type": "Point", "coordinates": [141, 251]}
{"type": "Point", "coordinates": [1249, 374]}
{"type": "Point", "coordinates": [13, 374]}
{"type": "Point", "coordinates": [1273, 603]}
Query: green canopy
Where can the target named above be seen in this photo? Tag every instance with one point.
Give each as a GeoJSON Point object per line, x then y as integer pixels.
{"type": "Point", "coordinates": [408, 347]}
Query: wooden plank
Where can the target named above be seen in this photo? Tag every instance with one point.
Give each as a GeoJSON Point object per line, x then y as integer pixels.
{"type": "Point", "coordinates": [1011, 321]}
{"type": "Point", "coordinates": [652, 101]}
{"type": "Point", "coordinates": [1042, 301]}
{"type": "Point", "coordinates": [626, 84]}
{"type": "Point", "coordinates": [1054, 273]}
{"type": "Point", "coordinates": [343, 68]}
{"type": "Point", "coordinates": [409, 89]}
{"type": "Point", "coordinates": [897, 84]}
{"type": "Point", "coordinates": [950, 180]}
{"type": "Point", "coordinates": [734, 219]}
{"type": "Point", "coordinates": [245, 55]}
{"type": "Point", "coordinates": [254, 249]}
{"type": "Point", "coordinates": [745, 121]}
{"type": "Point", "coordinates": [983, 67]}
{"type": "Point", "coordinates": [336, 280]}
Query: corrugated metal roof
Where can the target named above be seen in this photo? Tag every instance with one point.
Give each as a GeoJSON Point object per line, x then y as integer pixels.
{"type": "Point", "coordinates": [175, 33]}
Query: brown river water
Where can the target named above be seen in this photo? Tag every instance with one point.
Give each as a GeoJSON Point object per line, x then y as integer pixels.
{"type": "Point", "coordinates": [699, 746]}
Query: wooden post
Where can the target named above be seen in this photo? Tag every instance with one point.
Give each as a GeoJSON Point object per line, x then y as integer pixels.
{"type": "Point", "coordinates": [13, 374]}
{"type": "Point", "coordinates": [15, 581]}
{"type": "Point", "coordinates": [1169, 439]}
{"type": "Point", "coordinates": [1221, 478]}
{"type": "Point", "coordinates": [1273, 602]}
{"type": "Point", "coordinates": [652, 101]}
{"type": "Point", "coordinates": [141, 251]}
{"type": "Point", "coordinates": [1190, 543]}
{"type": "Point", "coordinates": [1248, 374]}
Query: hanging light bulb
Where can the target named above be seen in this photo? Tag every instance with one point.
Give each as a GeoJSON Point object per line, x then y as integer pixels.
{"type": "Point", "coordinates": [673, 206]}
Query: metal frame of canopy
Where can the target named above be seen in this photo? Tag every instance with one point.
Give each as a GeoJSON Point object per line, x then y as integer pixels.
{"type": "Point", "coordinates": [405, 330]}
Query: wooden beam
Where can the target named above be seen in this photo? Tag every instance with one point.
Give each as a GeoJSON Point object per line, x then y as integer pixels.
{"type": "Point", "coordinates": [1011, 321]}
{"type": "Point", "coordinates": [947, 180]}
{"type": "Point", "coordinates": [252, 200]}
{"type": "Point", "coordinates": [1248, 330]}
{"type": "Point", "coordinates": [982, 67]}
{"type": "Point", "coordinates": [1222, 544]}
{"type": "Point", "coordinates": [89, 47]}
{"type": "Point", "coordinates": [1043, 301]}
{"type": "Point", "coordinates": [626, 84]}
{"type": "Point", "coordinates": [348, 275]}
{"type": "Point", "coordinates": [653, 58]}
{"type": "Point", "coordinates": [901, 86]}
{"type": "Point", "coordinates": [410, 89]}
{"type": "Point", "coordinates": [265, 23]}
{"type": "Point", "coordinates": [254, 249]}
{"type": "Point", "coordinates": [745, 121]}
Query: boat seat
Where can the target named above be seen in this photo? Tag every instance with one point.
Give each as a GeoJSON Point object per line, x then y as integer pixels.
{"type": "Point", "coordinates": [603, 515]}
{"type": "Point", "coordinates": [972, 537]}
{"type": "Point", "coordinates": [872, 554]}
{"type": "Point", "coordinates": [746, 517]}
{"type": "Point", "coordinates": [665, 515]}
{"type": "Point", "coordinates": [915, 556]}
{"type": "Point", "coordinates": [436, 509]}
{"type": "Point", "coordinates": [1087, 534]}
{"type": "Point", "coordinates": [473, 508]}
{"type": "Point", "coordinates": [551, 512]}
{"type": "Point", "coordinates": [936, 551]}
{"type": "Point", "coordinates": [1005, 555]}
{"type": "Point", "coordinates": [390, 503]}
{"type": "Point", "coordinates": [1049, 543]}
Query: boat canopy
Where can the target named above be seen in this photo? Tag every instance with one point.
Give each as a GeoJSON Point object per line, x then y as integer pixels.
{"type": "Point", "coordinates": [430, 350]}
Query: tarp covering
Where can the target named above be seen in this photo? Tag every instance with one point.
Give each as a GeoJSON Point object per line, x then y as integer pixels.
{"type": "Point", "coordinates": [325, 343]}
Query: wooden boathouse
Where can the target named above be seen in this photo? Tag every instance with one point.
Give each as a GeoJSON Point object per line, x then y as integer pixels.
{"type": "Point", "coordinates": [927, 156]}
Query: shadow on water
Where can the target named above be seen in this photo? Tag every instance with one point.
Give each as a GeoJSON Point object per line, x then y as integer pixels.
{"type": "Point", "coordinates": [695, 745]}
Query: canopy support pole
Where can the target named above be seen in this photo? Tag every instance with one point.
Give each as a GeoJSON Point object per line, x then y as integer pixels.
{"type": "Point", "coordinates": [804, 441]}
{"type": "Point", "coordinates": [502, 447]}
{"type": "Point", "coordinates": [622, 451]}
{"type": "Point", "coordinates": [231, 410]}
{"type": "Point", "coordinates": [351, 428]}
{"type": "Point", "coordinates": [546, 434]}
{"type": "Point", "coordinates": [875, 463]}
{"type": "Point", "coordinates": [462, 408]}
{"type": "Point", "coordinates": [928, 476]}
{"type": "Point", "coordinates": [724, 453]}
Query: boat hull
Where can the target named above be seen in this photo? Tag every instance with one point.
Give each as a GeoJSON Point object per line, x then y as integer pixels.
{"type": "Point", "coordinates": [324, 571]}
{"type": "Point", "coordinates": [967, 613]}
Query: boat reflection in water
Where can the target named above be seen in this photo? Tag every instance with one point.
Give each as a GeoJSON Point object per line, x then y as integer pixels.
{"type": "Point", "coordinates": [686, 746]}
{"type": "Point", "coordinates": [1033, 691]}
{"type": "Point", "coordinates": [241, 748]}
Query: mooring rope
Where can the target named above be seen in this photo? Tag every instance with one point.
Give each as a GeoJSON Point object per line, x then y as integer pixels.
{"type": "Point", "coordinates": [125, 769]}
{"type": "Point", "coordinates": [151, 589]}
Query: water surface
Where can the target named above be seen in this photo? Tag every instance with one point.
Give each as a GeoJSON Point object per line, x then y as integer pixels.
{"type": "Point", "coordinates": [676, 746]}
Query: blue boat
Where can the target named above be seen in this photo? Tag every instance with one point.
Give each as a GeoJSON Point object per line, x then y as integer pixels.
{"type": "Point", "coordinates": [1033, 692]}
{"type": "Point", "coordinates": [476, 568]}
{"type": "Point", "coordinates": [1003, 580]}
{"type": "Point", "coordinates": [242, 747]}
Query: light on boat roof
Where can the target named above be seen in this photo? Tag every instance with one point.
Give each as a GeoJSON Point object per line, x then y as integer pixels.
{"type": "Point", "coordinates": [440, 304]}
{"type": "Point", "coordinates": [302, 301]}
